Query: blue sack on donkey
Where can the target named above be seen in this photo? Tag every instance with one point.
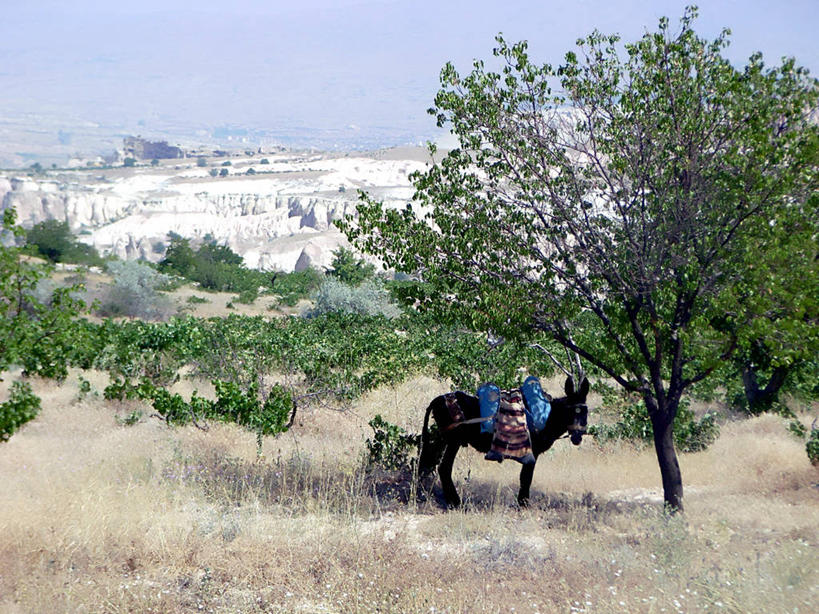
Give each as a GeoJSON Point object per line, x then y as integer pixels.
{"type": "Point", "coordinates": [537, 403]}
{"type": "Point", "coordinates": [489, 401]}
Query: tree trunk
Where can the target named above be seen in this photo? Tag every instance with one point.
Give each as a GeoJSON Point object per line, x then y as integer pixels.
{"type": "Point", "coordinates": [663, 424]}
{"type": "Point", "coordinates": [762, 399]}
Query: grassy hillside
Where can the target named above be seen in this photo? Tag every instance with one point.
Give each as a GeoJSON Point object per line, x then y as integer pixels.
{"type": "Point", "coordinates": [97, 516]}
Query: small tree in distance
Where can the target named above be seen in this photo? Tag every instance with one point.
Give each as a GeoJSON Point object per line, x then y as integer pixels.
{"type": "Point", "coordinates": [615, 213]}
{"type": "Point", "coordinates": [349, 268]}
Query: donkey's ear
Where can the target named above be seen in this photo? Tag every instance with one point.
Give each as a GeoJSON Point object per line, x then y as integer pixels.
{"type": "Point", "coordinates": [584, 388]}
{"type": "Point", "coordinates": [568, 387]}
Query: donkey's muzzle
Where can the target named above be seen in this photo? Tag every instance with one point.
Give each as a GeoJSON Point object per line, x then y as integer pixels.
{"type": "Point", "coordinates": [576, 433]}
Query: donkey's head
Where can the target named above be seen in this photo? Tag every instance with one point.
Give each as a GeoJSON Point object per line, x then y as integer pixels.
{"type": "Point", "coordinates": [575, 406]}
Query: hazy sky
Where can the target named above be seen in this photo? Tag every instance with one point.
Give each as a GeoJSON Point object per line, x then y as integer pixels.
{"type": "Point", "coordinates": [357, 67]}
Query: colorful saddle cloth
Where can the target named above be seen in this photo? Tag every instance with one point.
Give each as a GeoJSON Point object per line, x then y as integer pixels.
{"type": "Point", "coordinates": [511, 435]}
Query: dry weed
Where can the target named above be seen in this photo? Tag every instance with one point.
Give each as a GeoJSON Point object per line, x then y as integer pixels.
{"type": "Point", "coordinates": [100, 517]}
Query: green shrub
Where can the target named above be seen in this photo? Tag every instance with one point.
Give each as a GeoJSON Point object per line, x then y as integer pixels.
{"type": "Point", "coordinates": [812, 447]}
{"type": "Point", "coordinates": [370, 298]}
{"type": "Point", "coordinates": [223, 172]}
{"type": "Point", "coordinates": [212, 266]}
{"type": "Point", "coordinates": [291, 287]}
{"type": "Point", "coordinates": [201, 162]}
{"type": "Point", "coordinates": [129, 162]}
{"type": "Point", "coordinates": [391, 446]}
{"type": "Point", "coordinates": [196, 300]}
{"type": "Point", "coordinates": [264, 161]}
{"type": "Point", "coordinates": [23, 405]}
{"type": "Point", "coordinates": [131, 419]}
{"type": "Point", "coordinates": [349, 268]}
{"type": "Point", "coordinates": [85, 389]}
{"type": "Point", "coordinates": [233, 404]}
{"type": "Point", "coordinates": [690, 434]}
{"type": "Point", "coordinates": [214, 172]}
{"type": "Point", "coordinates": [54, 240]}
{"type": "Point", "coordinates": [798, 429]}
{"type": "Point", "coordinates": [247, 297]}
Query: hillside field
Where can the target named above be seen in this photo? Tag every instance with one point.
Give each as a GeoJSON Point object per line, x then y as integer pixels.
{"type": "Point", "coordinates": [99, 516]}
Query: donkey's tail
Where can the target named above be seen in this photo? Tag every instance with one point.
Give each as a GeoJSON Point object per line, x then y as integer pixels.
{"type": "Point", "coordinates": [427, 457]}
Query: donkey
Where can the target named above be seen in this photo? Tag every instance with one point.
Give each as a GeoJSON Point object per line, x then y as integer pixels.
{"type": "Point", "coordinates": [568, 414]}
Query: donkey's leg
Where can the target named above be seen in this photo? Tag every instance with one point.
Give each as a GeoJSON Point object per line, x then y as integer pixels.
{"type": "Point", "coordinates": [526, 474]}
{"type": "Point", "coordinates": [445, 471]}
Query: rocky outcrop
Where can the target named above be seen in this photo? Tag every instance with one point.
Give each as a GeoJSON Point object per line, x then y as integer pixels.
{"type": "Point", "coordinates": [280, 220]}
{"type": "Point", "coordinates": [39, 201]}
{"type": "Point", "coordinates": [129, 228]}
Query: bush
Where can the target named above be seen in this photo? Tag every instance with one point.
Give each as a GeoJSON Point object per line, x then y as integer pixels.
{"type": "Point", "coordinates": [223, 172]}
{"type": "Point", "coordinates": [213, 266]}
{"type": "Point", "coordinates": [812, 447]}
{"type": "Point", "coordinates": [54, 240]}
{"type": "Point", "coordinates": [391, 446]}
{"type": "Point", "coordinates": [129, 162]}
{"type": "Point", "coordinates": [233, 404]}
{"type": "Point", "coordinates": [36, 317]}
{"type": "Point", "coordinates": [23, 405]}
{"type": "Point", "coordinates": [349, 268]}
{"type": "Point", "coordinates": [227, 163]}
{"type": "Point", "coordinates": [134, 292]}
{"type": "Point", "coordinates": [690, 434]}
{"type": "Point", "coordinates": [247, 297]}
{"type": "Point", "coordinates": [290, 287]}
{"type": "Point", "coordinates": [264, 161]}
{"type": "Point", "coordinates": [214, 172]}
{"type": "Point", "coordinates": [370, 298]}
{"type": "Point", "coordinates": [201, 162]}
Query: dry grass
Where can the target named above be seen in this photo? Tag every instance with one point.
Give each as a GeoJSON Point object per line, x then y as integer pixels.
{"type": "Point", "coordinates": [99, 517]}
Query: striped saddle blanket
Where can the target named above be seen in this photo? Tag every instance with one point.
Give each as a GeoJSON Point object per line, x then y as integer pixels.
{"type": "Point", "coordinates": [511, 438]}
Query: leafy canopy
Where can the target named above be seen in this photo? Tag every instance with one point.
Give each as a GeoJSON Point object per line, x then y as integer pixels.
{"type": "Point", "coordinates": [612, 211]}
{"type": "Point", "coordinates": [610, 202]}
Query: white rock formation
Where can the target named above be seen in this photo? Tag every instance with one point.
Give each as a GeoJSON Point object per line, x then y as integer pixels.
{"type": "Point", "coordinates": [280, 218]}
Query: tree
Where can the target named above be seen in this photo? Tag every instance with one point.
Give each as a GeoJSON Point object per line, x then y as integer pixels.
{"type": "Point", "coordinates": [613, 213]}
{"type": "Point", "coordinates": [53, 239]}
{"type": "Point", "coordinates": [34, 333]}
{"type": "Point", "coordinates": [778, 350]}
{"type": "Point", "coordinates": [349, 268]}
{"type": "Point", "coordinates": [180, 258]}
